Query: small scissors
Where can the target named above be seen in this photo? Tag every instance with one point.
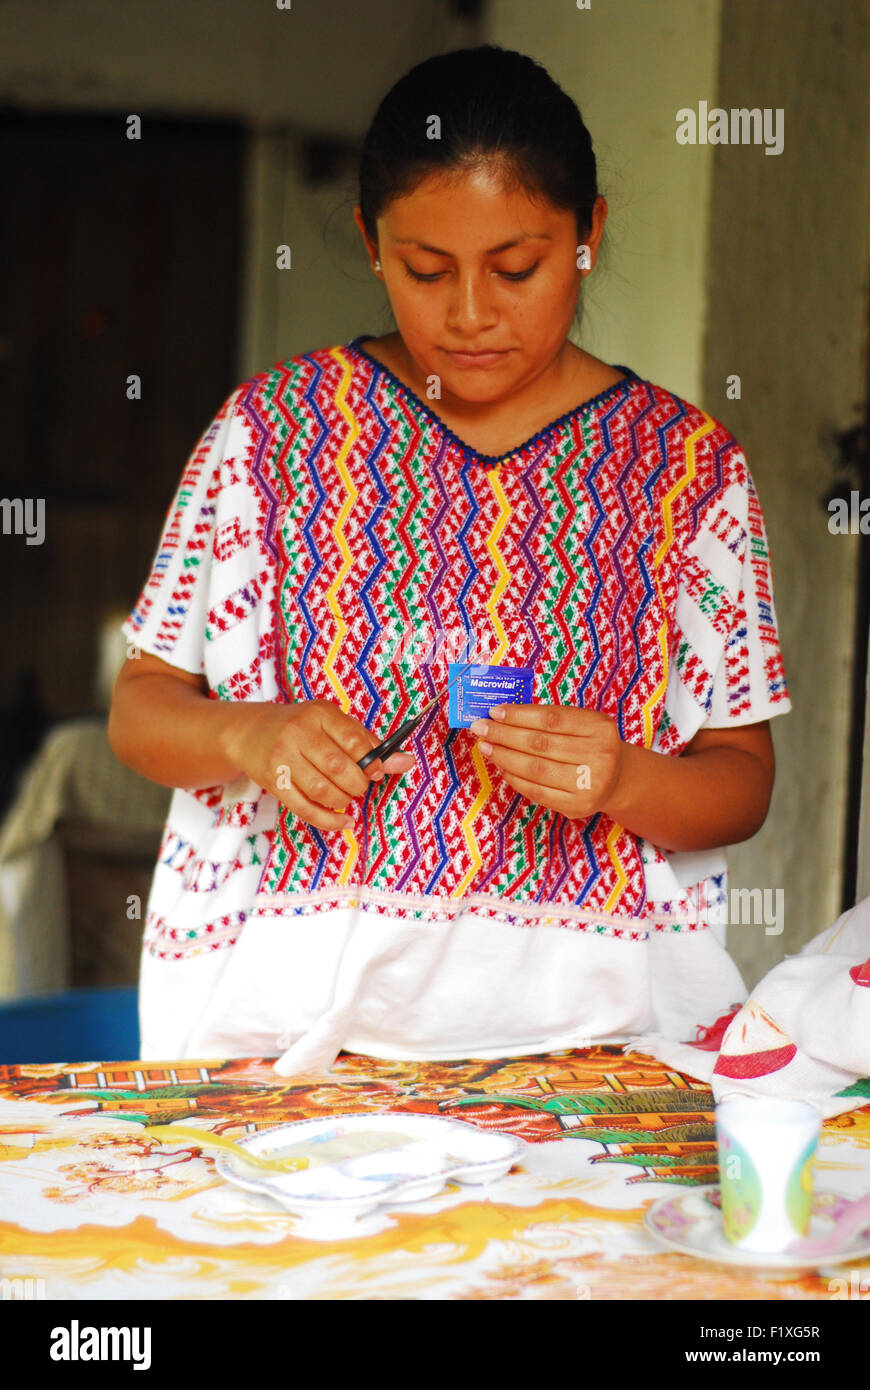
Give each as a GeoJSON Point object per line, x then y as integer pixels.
{"type": "Point", "coordinates": [404, 731]}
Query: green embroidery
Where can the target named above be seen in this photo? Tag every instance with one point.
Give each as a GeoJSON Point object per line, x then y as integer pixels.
{"type": "Point", "coordinates": [711, 599]}
{"type": "Point", "coordinates": [759, 549]}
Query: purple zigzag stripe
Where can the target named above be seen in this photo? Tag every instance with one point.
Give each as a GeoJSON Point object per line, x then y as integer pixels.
{"type": "Point", "coordinates": [308, 530]}
{"type": "Point", "coordinates": [311, 457]}
{"type": "Point", "coordinates": [288, 385]}
{"type": "Point", "coordinates": [622, 583]}
{"type": "Point", "coordinates": [371, 458]}
{"type": "Point", "coordinates": [556, 836]}
{"type": "Point", "coordinates": [420, 742]}
{"type": "Point", "coordinates": [599, 522]}
{"type": "Point", "coordinates": [559, 858]}
{"type": "Point", "coordinates": [649, 588]}
{"type": "Point", "coordinates": [461, 534]}
{"type": "Point", "coordinates": [607, 440]}
{"type": "Point", "coordinates": [591, 858]}
{"type": "Point", "coordinates": [526, 481]}
{"type": "Point", "coordinates": [443, 565]}
{"type": "Point", "coordinates": [500, 856]}
{"type": "Point", "coordinates": [588, 546]}
{"type": "Point", "coordinates": [649, 591]}
{"type": "Point", "coordinates": [408, 816]}
{"type": "Point", "coordinates": [444, 855]}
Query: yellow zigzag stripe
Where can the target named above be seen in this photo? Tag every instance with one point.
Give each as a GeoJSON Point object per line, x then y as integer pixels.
{"type": "Point", "coordinates": [351, 494]}
{"type": "Point", "coordinates": [679, 485]}
{"type": "Point", "coordinates": [646, 712]}
{"type": "Point", "coordinates": [667, 517]}
{"type": "Point", "coordinates": [621, 875]}
{"type": "Point", "coordinates": [662, 637]}
{"type": "Point", "coordinates": [492, 540]}
{"type": "Point", "coordinates": [504, 574]}
{"type": "Point", "coordinates": [471, 813]}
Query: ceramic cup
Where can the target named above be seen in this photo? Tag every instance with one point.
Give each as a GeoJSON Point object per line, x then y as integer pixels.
{"type": "Point", "coordinates": [766, 1152]}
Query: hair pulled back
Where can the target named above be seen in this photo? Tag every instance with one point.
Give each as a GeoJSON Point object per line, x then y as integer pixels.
{"type": "Point", "coordinates": [497, 108]}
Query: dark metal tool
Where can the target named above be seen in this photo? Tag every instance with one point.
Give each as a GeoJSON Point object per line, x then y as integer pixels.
{"type": "Point", "coordinates": [404, 731]}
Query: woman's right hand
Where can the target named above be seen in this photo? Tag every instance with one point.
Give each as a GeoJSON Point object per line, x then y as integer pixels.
{"type": "Point", "coordinates": [306, 755]}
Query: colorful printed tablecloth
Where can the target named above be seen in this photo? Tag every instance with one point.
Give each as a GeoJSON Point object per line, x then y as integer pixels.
{"type": "Point", "coordinates": [92, 1207]}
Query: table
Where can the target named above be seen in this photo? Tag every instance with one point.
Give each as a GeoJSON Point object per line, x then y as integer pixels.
{"type": "Point", "coordinates": [94, 1208]}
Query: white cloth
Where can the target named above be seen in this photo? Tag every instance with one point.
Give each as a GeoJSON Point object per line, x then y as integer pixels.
{"type": "Point", "coordinates": [364, 983]}
{"type": "Point", "coordinates": [803, 1035]}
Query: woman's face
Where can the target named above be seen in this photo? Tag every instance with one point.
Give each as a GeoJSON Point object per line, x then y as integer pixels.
{"type": "Point", "coordinates": [501, 277]}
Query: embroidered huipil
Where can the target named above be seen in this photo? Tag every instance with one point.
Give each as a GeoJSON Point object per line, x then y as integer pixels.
{"type": "Point", "coordinates": [332, 540]}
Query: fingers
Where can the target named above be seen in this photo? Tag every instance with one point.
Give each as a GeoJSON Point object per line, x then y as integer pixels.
{"type": "Point", "coordinates": [313, 813]}
{"type": "Point", "coordinates": [554, 719]}
{"type": "Point", "coordinates": [348, 740]}
{"type": "Point", "coordinates": [321, 774]}
{"type": "Point", "coordinates": [354, 740]}
{"type": "Point", "coordinates": [397, 762]}
{"type": "Point", "coordinates": [327, 776]}
{"type": "Point", "coordinates": [556, 799]}
{"type": "Point", "coordinates": [537, 743]}
{"type": "Point", "coordinates": [538, 772]}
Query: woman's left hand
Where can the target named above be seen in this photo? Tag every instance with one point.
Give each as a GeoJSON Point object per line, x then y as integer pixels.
{"type": "Point", "coordinates": [560, 756]}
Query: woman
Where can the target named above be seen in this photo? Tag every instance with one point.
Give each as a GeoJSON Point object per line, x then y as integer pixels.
{"type": "Point", "coordinates": [551, 875]}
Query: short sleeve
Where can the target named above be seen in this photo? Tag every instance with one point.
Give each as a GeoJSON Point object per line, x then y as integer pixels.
{"type": "Point", "coordinates": [206, 603]}
{"type": "Point", "coordinates": [750, 685]}
{"type": "Point", "coordinates": [726, 665]}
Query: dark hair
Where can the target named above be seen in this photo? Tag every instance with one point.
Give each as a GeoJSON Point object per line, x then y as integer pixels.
{"type": "Point", "coordinates": [493, 105]}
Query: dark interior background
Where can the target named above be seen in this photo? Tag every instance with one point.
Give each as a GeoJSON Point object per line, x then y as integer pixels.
{"type": "Point", "coordinates": [117, 257]}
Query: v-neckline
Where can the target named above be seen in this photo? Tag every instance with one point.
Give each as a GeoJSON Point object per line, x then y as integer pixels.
{"type": "Point", "coordinates": [627, 382]}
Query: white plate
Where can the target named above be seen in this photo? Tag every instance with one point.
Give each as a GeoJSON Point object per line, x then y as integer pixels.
{"type": "Point", "coordinates": [437, 1150]}
{"type": "Point", "coordinates": [691, 1221]}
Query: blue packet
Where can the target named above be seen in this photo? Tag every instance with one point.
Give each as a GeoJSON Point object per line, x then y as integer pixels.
{"type": "Point", "coordinates": [480, 687]}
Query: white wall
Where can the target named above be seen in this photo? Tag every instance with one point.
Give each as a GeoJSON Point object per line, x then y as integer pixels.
{"type": "Point", "coordinates": [321, 64]}
{"type": "Point", "coordinates": [630, 66]}
{"type": "Point", "coordinates": [788, 310]}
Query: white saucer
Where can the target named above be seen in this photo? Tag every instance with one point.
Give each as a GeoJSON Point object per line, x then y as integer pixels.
{"type": "Point", "coordinates": [437, 1151]}
{"type": "Point", "coordinates": [691, 1221]}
